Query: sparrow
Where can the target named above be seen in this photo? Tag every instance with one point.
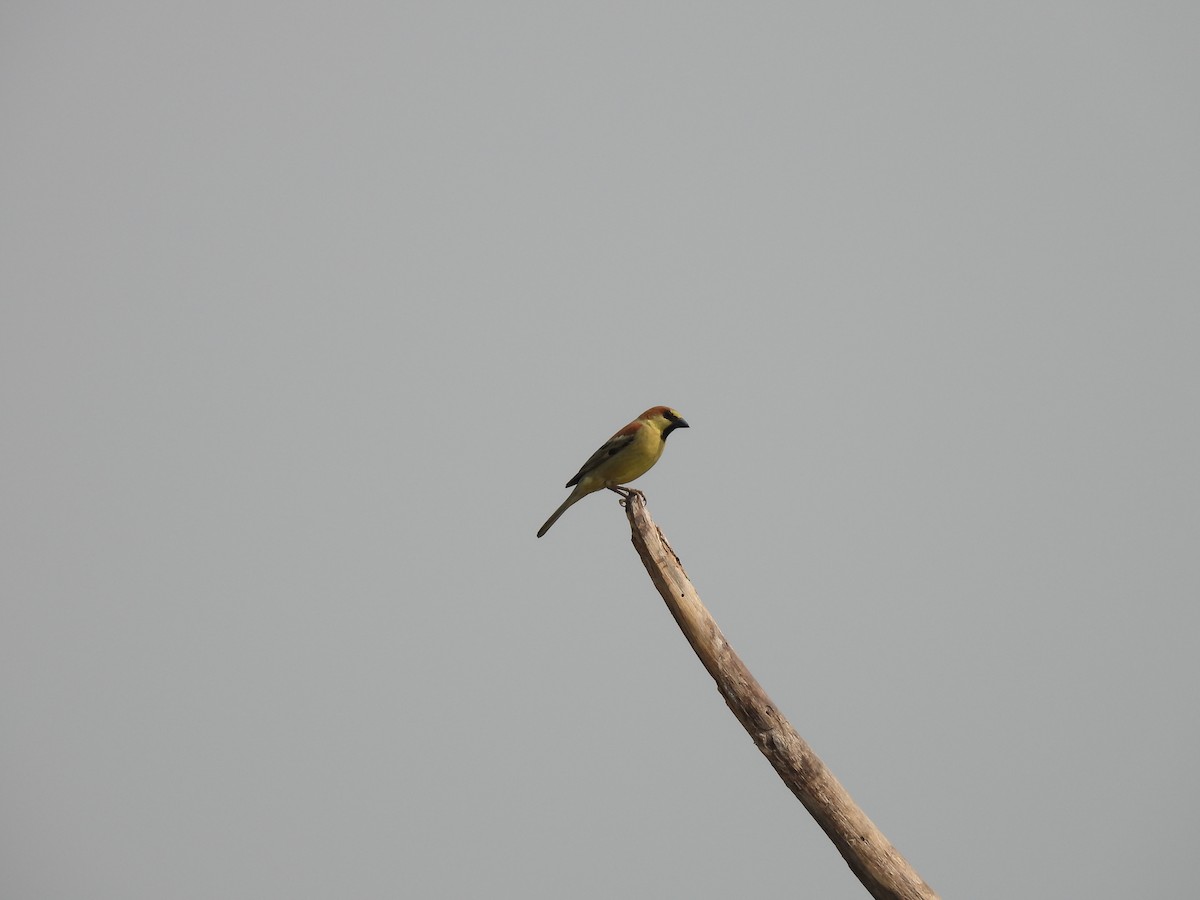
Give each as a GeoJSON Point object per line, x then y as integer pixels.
{"type": "Point", "coordinates": [626, 455]}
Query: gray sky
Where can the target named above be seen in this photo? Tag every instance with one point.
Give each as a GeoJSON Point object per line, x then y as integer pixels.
{"type": "Point", "coordinates": [309, 310]}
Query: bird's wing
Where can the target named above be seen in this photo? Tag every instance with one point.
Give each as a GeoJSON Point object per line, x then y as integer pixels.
{"type": "Point", "coordinates": [611, 448]}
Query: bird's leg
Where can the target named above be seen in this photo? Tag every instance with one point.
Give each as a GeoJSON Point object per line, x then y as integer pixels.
{"type": "Point", "coordinates": [626, 493]}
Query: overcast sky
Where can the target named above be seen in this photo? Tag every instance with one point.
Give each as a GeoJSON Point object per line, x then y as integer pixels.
{"type": "Point", "coordinates": [309, 311]}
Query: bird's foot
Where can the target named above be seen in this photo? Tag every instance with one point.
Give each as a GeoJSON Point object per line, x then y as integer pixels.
{"type": "Point", "coordinates": [626, 493]}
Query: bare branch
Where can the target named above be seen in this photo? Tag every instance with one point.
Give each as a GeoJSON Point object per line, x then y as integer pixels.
{"type": "Point", "coordinates": [878, 865]}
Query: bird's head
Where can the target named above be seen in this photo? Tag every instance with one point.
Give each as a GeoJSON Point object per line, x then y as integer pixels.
{"type": "Point", "coordinates": [663, 419]}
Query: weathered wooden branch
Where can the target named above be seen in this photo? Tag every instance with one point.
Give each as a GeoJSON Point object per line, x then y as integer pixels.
{"type": "Point", "coordinates": [878, 865]}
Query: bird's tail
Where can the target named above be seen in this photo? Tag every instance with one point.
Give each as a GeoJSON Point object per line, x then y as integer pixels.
{"type": "Point", "coordinates": [572, 498]}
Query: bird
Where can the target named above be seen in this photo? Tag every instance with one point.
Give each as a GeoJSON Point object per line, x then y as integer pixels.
{"type": "Point", "coordinates": [626, 455]}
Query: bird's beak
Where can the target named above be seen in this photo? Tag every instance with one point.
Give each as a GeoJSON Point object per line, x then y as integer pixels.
{"type": "Point", "coordinates": [680, 423]}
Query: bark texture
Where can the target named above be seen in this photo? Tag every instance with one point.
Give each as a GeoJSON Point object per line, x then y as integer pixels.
{"type": "Point", "coordinates": [878, 865]}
